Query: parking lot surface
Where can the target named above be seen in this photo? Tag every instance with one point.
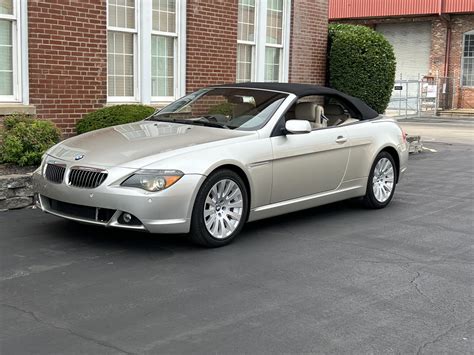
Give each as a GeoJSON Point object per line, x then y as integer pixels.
{"type": "Point", "coordinates": [334, 279]}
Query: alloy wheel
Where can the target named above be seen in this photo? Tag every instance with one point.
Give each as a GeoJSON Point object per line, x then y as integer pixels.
{"type": "Point", "coordinates": [383, 180]}
{"type": "Point", "coordinates": [223, 208]}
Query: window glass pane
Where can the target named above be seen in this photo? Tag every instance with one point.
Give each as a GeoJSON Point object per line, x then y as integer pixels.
{"type": "Point", "coordinates": [468, 61]}
{"type": "Point", "coordinates": [5, 33]}
{"type": "Point", "coordinates": [469, 45]}
{"type": "Point", "coordinates": [6, 7]}
{"type": "Point", "coordinates": [121, 13]}
{"type": "Point", "coordinates": [6, 83]}
{"type": "Point", "coordinates": [244, 62]}
{"type": "Point", "coordinates": [272, 64]}
{"type": "Point", "coordinates": [120, 64]}
{"type": "Point", "coordinates": [246, 21]}
{"type": "Point", "coordinates": [274, 21]}
{"type": "Point", "coordinates": [468, 72]}
{"type": "Point", "coordinates": [162, 61]}
{"type": "Point", "coordinates": [6, 58]}
{"type": "Point", "coordinates": [164, 15]}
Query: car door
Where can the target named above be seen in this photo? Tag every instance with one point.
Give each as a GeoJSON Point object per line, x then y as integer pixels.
{"type": "Point", "coordinates": [309, 163]}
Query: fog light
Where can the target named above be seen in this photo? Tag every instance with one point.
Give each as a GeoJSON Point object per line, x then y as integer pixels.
{"type": "Point", "coordinates": [127, 217]}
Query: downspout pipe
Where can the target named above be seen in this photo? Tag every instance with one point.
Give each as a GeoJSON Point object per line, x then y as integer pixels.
{"type": "Point", "coordinates": [447, 50]}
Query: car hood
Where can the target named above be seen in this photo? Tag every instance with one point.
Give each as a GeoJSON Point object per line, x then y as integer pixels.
{"type": "Point", "coordinates": [138, 144]}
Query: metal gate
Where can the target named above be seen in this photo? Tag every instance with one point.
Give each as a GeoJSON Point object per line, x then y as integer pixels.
{"type": "Point", "coordinates": [418, 98]}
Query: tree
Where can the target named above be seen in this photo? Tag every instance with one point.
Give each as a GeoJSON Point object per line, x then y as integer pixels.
{"type": "Point", "coordinates": [361, 63]}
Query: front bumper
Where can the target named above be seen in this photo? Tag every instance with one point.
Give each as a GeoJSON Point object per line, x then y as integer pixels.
{"type": "Point", "coordinates": [167, 211]}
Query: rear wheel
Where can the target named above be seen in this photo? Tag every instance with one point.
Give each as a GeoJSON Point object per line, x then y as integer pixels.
{"type": "Point", "coordinates": [220, 209]}
{"type": "Point", "coordinates": [381, 184]}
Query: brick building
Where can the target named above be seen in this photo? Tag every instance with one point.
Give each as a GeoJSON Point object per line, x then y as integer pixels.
{"type": "Point", "coordinates": [61, 59]}
{"type": "Point", "coordinates": [433, 38]}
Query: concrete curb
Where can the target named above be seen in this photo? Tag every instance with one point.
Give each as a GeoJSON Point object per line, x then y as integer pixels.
{"type": "Point", "coordinates": [16, 191]}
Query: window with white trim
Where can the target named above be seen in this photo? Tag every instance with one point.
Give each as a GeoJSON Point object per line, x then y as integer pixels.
{"type": "Point", "coordinates": [163, 49]}
{"type": "Point", "coordinates": [468, 60]}
{"type": "Point", "coordinates": [145, 50]}
{"type": "Point", "coordinates": [121, 43]}
{"type": "Point", "coordinates": [246, 40]}
{"type": "Point", "coordinates": [262, 40]}
{"type": "Point", "coordinates": [10, 51]}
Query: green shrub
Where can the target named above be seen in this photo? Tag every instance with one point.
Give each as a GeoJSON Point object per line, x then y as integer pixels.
{"type": "Point", "coordinates": [24, 139]}
{"type": "Point", "coordinates": [112, 116]}
{"type": "Point", "coordinates": [361, 64]}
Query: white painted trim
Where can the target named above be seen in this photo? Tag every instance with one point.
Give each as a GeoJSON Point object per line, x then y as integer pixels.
{"type": "Point", "coordinates": [286, 40]}
{"type": "Point", "coordinates": [260, 39]}
{"type": "Point", "coordinates": [19, 21]}
{"type": "Point", "coordinates": [142, 54]}
{"type": "Point", "coordinates": [180, 56]}
{"type": "Point", "coordinates": [145, 30]}
{"type": "Point", "coordinates": [136, 55]}
{"type": "Point", "coordinates": [25, 83]}
{"type": "Point", "coordinates": [258, 64]}
{"type": "Point", "coordinates": [124, 29]}
{"type": "Point", "coordinates": [181, 63]}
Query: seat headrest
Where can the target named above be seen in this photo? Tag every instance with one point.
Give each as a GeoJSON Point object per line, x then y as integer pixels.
{"type": "Point", "coordinates": [310, 111]}
{"type": "Point", "coordinates": [334, 109]}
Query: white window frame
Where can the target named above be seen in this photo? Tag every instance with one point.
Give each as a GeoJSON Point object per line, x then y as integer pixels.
{"type": "Point", "coordinates": [136, 50]}
{"type": "Point", "coordinates": [258, 64]}
{"type": "Point", "coordinates": [19, 53]}
{"type": "Point", "coordinates": [471, 33]}
{"type": "Point", "coordinates": [179, 54]}
{"type": "Point", "coordinates": [142, 55]}
{"type": "Point", "coordinates": [253, 43]}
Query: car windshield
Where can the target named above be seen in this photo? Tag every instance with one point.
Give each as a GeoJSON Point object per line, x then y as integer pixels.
{"type": "Point", "coordinates": [228, 108]}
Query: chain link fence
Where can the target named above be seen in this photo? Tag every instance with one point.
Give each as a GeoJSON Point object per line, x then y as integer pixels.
{"type": "Point", "coordinates": [418, 98]}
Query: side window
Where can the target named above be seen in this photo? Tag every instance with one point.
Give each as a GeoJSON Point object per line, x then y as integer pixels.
{"type": "Point", "coordinates": [322, 111]}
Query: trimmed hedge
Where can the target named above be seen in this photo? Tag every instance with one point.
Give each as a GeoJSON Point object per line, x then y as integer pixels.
{"type": "Point", "coordinates": [26, 139]}
{"type": "Point", "coordinates": [361, 64]}
{"type": "Point", "coordinates": [112, 116]}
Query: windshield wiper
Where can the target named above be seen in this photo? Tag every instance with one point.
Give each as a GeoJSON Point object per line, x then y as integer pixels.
{"type": "Point", "coordinates": [192, 122]}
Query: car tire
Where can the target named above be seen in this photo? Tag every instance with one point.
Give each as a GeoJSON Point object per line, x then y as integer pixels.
{"type": "Point", "coordinates": [382, 182]}
{"type": "Point", "coordinates": [220, 209]}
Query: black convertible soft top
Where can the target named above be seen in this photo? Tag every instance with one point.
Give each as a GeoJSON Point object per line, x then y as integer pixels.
{"type": "Point", "coordinates": [301, 90]}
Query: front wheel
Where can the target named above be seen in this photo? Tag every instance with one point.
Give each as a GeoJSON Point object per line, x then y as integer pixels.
{"type": "Point", "coordinates": [381, 184]}
{"type": "Point", "coordinates": [220, 209]}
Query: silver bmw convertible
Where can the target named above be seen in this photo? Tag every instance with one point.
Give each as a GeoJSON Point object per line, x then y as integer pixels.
{"type": "Point", "coordinates": [224, 155]}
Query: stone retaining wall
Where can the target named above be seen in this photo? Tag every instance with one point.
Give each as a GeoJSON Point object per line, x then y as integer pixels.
{"type": "Point", "coordinates": [16, 191]}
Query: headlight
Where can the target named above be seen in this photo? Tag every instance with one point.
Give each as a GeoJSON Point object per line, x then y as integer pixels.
{"type": "Point", "coordinates": [153, 180]}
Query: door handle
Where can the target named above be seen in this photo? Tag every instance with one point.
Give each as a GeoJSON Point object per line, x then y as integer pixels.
{"type": "Point", "coordinates": [341, 139]}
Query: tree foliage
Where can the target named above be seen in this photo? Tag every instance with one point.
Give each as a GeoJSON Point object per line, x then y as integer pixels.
{"type": "Point", "coordinates": [361, 64]}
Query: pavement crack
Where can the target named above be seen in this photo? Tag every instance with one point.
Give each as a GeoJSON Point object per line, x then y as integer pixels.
{"type": "Point", "coordinates": [66, 329]}
{"type": "Point", "coordinates": [417, 287]}
{"type": "Point", "coordinates": [441, 335]}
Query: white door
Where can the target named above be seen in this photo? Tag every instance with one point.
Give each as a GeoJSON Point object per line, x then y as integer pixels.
{"type": "Point", "coordinates": [412, 46]}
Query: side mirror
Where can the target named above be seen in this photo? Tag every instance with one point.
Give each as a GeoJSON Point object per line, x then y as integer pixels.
{"type": "Point", "coordinates": [298, 126]}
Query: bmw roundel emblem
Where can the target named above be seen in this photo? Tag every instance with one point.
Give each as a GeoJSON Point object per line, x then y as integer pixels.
{"type": "Point", "coordinates": [79, 157]}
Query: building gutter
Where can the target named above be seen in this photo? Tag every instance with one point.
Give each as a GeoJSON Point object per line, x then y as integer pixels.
{"type": "Point", "coordinates": [446, 19]}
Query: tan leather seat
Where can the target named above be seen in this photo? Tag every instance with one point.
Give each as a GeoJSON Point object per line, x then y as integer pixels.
{"type": "Point", "coordinates": [335, 114]}
{"type": "Point", "coordinates": [312, 112]}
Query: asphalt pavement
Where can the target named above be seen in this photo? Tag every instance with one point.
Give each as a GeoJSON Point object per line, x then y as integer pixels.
{"type": "Point", "coordinates": [333, 279]}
